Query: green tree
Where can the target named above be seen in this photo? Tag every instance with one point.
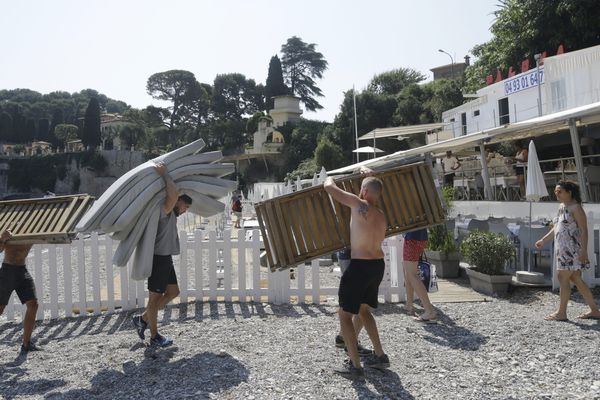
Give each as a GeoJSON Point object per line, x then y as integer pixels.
{"type": "Point", "coordinates": [392, 82]}
{"type": "Point", "coordinates": [234, 96]}
{"type": "Point", "coordinates": [6, 127]}
{"type": "Point", "coordinates": [131, 135]}
{"type": "Point", "coordinates": [43, 130]}
{"type": "Point", "coordinates": [523, 28]}
{"type": "Point", "coordinates": [65, 133]}
{"type": "Point", "coordinates": [328, 154]}
{"type": "Point", "coordinates": [30, 131]}
{"type": "Point", "coordinates": [300, 140]}
{"type": "Point", "coordinates": [91, 125]}
{"type": "Point", "coordinates": [274, 85]}
{"type": "Point", "coordinates": [178, 87]}
{"type": "Point", "coordinates": [302, 64]}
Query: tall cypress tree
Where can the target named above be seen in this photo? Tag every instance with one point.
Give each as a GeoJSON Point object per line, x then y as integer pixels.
{"type": "Point", "coordinates": [275, 85]}
{"type": "Point", "coordinates": [57, 119]}
{"type": "Point", "coordinates": [91, 124]}
{"type": "Point", "coordinates": [29, 131]}
{"type": "Point", "coordinates": [43, 130]}
{"type": "Point", "coordinates": [6, 127]}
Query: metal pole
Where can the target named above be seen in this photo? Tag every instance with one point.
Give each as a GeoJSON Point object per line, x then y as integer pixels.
{"type": "Point", "coordinates": [485, 174]}
{"type": "Point", "coordinates": [451, 61]}
{"type": "Point", "coordinates": [355, 123]}
{"type": "Point", "coordinates": [539, 83]}
{"type": "Point", "coordinates": [578, 160]}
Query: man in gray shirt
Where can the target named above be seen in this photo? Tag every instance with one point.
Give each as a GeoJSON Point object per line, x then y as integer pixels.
{"type": "Point", "coordinates": [162, 283]}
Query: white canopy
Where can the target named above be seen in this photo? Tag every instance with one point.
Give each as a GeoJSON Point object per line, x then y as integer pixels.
{"type": "Point", "coordinates": [546, 124]}
{"type": "Point", "coordinates": [401, 131]}
{"type": "Point", "coordinates": [368, 149]}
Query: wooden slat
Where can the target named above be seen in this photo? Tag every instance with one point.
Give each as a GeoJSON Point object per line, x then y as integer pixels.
{"type": "Point", "coordinates": [21, 219]}
{"type": "Point", "coordinates": [273, 232]}
{"type": "Point", "coordinates": [259, 215]}
{"type": "Point", "coordinates": [298, 234]}
{"type": "Point", "coordinates": [315, 226]}
{"type": "Point", "coordinates": [401, 203]}
{"type": "Point", "coordinates": [60, 222]}
{"type": "Point", "coordinates": [409, 201]}
{"type": "Point", "coordinates": [306, 229]}
{"type": "Point", "coordinates": [415, 196]}
{"type": "Point", "coordinates": [13, 211]}
{"type": "Point", "coordinates": [289, 244]}
{"type": "Point", "coordinates": [46, 220]}
{"type": "Point", "coordinates": [429, 191]}
{"type": "Point", "coordinates": [393, 213]}
{"type": "Point", "coordinates": [326, 234]}
{"type": "Point", "coordinates": [424, 201]}
{"type": "Point", "coordinates": [330, 218]}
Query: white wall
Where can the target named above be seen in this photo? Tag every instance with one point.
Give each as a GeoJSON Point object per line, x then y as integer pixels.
{"type": "Point", "coordinates": [568, 80]}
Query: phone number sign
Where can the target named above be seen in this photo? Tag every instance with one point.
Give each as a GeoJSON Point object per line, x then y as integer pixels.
{"type": "Point", "coordinates": [523, 82]}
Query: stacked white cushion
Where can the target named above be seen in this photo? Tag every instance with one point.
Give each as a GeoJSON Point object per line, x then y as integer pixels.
{"type": "Point", "coordinates": [130, 208]}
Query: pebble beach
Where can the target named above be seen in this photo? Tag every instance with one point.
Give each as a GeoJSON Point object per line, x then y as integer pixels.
{"type": "Point", "coordinates": [500, 349]}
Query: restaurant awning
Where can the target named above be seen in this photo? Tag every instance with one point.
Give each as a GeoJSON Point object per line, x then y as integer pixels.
{"type": "Point", "coordinates": [401, 131]}
{"type": "Point", "coordinates": [544, 125]}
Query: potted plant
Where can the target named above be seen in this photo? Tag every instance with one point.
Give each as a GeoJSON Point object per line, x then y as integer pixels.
{"type": "Point", "coordinates": [487, 254]}
{"type": "Point", "coordinates": [441, 250]}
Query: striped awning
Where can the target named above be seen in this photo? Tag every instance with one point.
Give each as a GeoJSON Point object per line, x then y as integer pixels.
{"type": "Point", "coordinates": [45, 220]}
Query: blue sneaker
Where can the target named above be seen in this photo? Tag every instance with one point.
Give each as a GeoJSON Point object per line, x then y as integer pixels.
{"type": "Point", "coordinates": [160, 341]}
{"type": "Point", "coordinates": [140, 326]}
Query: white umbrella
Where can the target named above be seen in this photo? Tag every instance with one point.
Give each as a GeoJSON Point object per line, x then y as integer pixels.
{"type": "Point", "coordinates": [368, 149]}
{"type": "Point", "coordinates": [535, 187]}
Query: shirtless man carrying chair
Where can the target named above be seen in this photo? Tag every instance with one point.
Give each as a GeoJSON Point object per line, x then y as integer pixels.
{"type": "Point", "coordinates": [359, 285]}
{"type": "Point", "coordinates": [15, 277]}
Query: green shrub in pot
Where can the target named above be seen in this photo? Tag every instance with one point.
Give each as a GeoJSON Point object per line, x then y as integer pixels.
{"type": "Point", "coordinates": [487, 252]}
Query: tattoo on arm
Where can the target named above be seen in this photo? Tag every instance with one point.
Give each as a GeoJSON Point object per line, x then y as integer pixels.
{"type": "Point", "coordinates": [363, 209]}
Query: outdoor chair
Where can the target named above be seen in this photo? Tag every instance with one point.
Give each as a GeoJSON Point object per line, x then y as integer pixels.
{"type": "Point", "coordinates": [527, 244]}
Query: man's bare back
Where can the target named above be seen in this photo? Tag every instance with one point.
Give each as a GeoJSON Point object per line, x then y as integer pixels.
{"type": "Point", "coordinates": [367, 231]}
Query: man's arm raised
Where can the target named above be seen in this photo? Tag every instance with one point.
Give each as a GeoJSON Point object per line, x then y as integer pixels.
{"type": "Point", "coordinates": [347, 199]}
{"type": "Point", "coordinates": [170, 187]}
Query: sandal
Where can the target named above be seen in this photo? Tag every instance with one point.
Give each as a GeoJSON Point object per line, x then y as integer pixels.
{"type": "Point", "coordinates": [589, 315]}
{"type": "Point", "coordinates": [555, 317]}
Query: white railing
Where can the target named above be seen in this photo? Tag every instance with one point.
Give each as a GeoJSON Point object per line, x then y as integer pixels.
{"type": "Point", "coordinates": [80, 279]}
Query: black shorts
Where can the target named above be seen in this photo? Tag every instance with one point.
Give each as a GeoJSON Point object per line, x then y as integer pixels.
{"type": "Point", "coordinates": [360, 284]}
{"type": "Point", "coordinates": [16, 278]}
{"type": "Point", "coordinates": [449, 179]}
{"type": "Point", "coordinates": [519, 171]}
{"type": "Point", "coordinates": [163, 274]}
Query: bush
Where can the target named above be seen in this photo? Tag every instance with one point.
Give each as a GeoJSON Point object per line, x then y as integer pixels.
{"type": "Point", "coordinates": [487, 252]}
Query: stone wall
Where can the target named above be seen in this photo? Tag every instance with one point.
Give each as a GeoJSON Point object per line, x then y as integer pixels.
{"type": "Point", "coordinates": [86, 180]}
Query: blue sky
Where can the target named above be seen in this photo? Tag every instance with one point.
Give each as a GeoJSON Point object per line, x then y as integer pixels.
{"type": "Point", "coordinates": [114, 46]}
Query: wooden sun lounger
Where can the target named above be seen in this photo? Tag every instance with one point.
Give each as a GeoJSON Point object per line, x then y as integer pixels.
{"type": "Point", "coordinates": [45, 220]}
{"type": "Point", "coordinates": [307, 224]}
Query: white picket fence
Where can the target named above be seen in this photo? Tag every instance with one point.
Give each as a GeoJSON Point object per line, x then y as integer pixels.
{"type": "Point", "coordinates": [80, 279]}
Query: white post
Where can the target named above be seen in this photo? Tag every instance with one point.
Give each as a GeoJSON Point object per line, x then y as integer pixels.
{"type": "Point", "coordinates": [68, 285]}
{"type": "Point", "coordinates": [316, 295]}
{"type": "Point", "coordinates": [95, 259]}
{"type": "Point", "coordinates": [183, 267]}
{"type": "Point", "coordinates": [578, 159]}
{"type": "Point", "coordinates": [198, 240]}
{"type": "Point", "coordinates": [110, 279]}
